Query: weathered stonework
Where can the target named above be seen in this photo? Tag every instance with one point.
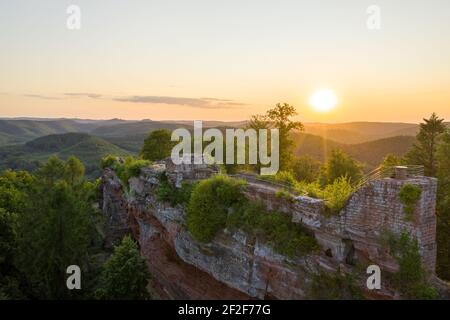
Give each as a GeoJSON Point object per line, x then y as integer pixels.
{"type": "Point", "coordinates": [235, 265]}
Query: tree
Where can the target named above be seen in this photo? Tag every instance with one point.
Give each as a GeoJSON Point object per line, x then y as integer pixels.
{"type": "Point", "coordinates": [423, 152]}
{"type": "Point", "coordinates": [280, 118]}
{"type": "Point", "coordinates": [125, 274]}
{"type": "Point", "coordinates": [256, 122]}
{"type": "Point", "coordinates": [73, 170]}
{"type": "Point", "coordinates": [306, 168]}
{"type": "Point", "coordinates": [443, 208]}
{"type": "Point", "coordinates": [55, 228]}
{"type": "Point", "coordinates": [157, 146]}
{"type": "Point", "coordinates": [340, 165]}
{"type": "Point", "coordinates": [52, 170]}
{"type": "Point", "coordinates": [7, 244]}
{"type": "Point", "coordinates": [391, 160]}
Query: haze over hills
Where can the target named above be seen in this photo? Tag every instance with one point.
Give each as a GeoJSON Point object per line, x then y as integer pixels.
{"type": "Point", "coordinates": [369, 153]}
{"type": "Point", "coordinates": [13, 131]}
{"type": "Point", "coordinates": [359, 132]}
{"type": "Point", "coordinates": [26, 142]}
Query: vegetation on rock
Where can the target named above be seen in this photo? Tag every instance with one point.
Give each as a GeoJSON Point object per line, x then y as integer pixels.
{"type": "Point", "coordinates": [167, 192]}
{"type": "Point", "coordinates": [409, 195]}
{"type": "Point", "coordinates": [411, 279]}
{"type": "Point", "coordinates": [218, 202]}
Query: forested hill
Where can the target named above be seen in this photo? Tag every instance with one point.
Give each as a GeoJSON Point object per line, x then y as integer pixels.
{"type": "Point", "coordinates": [26, 142]}
{"type": "Point", "coordinates": [89, 149]}
{"type": "Point", "coordinates": [14, 131]}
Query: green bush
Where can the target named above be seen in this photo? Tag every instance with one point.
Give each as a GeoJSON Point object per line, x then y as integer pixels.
{"type": "Point", "coordinates": [409, 195]}
{"type": "Point", "coordinates": [209, 204]}
{"type": "Point", "coordinates": [274, 228]}
{"type": "Point", "coordinates": [109, 161]}
{"type": "Point", "coordinates": [169, 193]}
{"type": "Point", "coordinates": [131, 167]}
{"type": "Point", "coordinates": [328, 286]}
{"type": "Point", "coordinates": [218, 202]}
{"type": "Point", "coordinates": [335, 194]}
{"type": "Point", "coordinates": [285, 195]}
{"type": "Point", "coordinates": [411, 279]}
{"type": "Point", "coordinates": [284, 177]}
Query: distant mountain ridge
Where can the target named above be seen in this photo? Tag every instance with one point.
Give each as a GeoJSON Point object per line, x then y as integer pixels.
{"type": "Point", "coordinates": [21, 130]}
{"type": "Point", "coordinates": [25, 143]}
{"type": "Point", "coordinates": [370, 153]}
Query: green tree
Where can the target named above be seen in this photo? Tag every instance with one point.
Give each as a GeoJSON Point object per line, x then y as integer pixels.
{"type": "Point", "coordinates": [7, 245]}
{"type": "Point", "coordinates": [340, 165]}
{"type": "Point", "coordinates": [125, 274]}
{"type": "Point", "coordinates": [423, 152]}
{"type": "Point", "coordinates": [55, 228]}
{"type": "Point", "coordinates": [73, 170]}
{"type": "Point", "coordinates": [53, 170]}
{"type": "Point", "coordinates": [157, 146]}
{"type": "Point", "coordinates": [280, 118]}
{"type": "Point", "coordinates": [13, 188]}
{"type": "Point", "coordinates": [306, 168]}
{"type": "Point", "coordinates": [391, 160]}
{"type": "Point", "coordinates": [443, 208]}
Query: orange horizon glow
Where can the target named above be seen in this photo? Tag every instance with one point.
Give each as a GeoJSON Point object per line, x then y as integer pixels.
{"type": "Point", "coordinates": [145, 60]}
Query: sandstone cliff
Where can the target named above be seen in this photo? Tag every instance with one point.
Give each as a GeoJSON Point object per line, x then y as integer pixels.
{"type": "Point", "coordinates": [236, 265]}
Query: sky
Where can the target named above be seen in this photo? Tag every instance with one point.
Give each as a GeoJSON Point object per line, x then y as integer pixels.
{"type": "Point", "coordinates": [224, 60]}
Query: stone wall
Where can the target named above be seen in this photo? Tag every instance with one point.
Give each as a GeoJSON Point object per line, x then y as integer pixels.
{"type": "Point", "coordinates": [235, 265]}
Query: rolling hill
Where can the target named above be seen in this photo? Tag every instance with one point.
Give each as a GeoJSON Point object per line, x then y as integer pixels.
{"type": "Point", "coordinates": [89, 149]}
{"type": "Point", "coordinates": [369, 153]}
{"type": "Point", "coordinates": [21, 130]}
{"type": "Point", "coordinates": [135, 128]}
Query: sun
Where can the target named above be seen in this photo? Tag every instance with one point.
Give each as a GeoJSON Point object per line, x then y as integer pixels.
{"type": "Point", "coordinates": [323, 100]}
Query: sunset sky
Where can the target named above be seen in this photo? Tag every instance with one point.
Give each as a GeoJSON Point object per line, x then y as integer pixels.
{"type": "Point", "coordinates": [224, 60]}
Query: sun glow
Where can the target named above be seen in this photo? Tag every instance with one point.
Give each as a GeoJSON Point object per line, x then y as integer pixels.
{"type": "Point", "coordinates": [323, 100]}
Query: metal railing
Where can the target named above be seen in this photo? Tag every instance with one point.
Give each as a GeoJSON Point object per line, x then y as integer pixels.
{"type": "Point", "coordinates": [383, 172]}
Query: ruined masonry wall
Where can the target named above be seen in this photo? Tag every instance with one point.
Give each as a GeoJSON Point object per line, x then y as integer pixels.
{"type": "Point", "coordinates": [236, 266]}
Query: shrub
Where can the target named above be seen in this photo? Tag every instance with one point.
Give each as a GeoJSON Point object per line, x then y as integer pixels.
{"type": "Point", "coordinates": [284, 194]}
{"type": "Point", "coordinates": [411, 279]}
{"type": "Point", "coordinates": [209, 204]}
{"type": "Point", "coordinates": [309, 189]}
{"type": "Point", "coordinates": [328, 286]}
{"type": "Point", "coordinates": [109, 161]}
{"type": "Point", "coordinates": [284, 177]}
{"type": "Point", "coordinates": [131, 167]}
{"type": "Point", "coordinates": [274, 228]}
{"type": "Point", "coordinates": [169, 193]}
{"type": "Point", "coordinates": [409, 195]}
{"type": "Point", "coordinates": [218, 202]}
{"type": "Point", "coordinates": [336, 194]}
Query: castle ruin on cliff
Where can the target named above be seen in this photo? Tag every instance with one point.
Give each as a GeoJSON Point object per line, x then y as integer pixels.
{"type": "Point", "coordinates": [236, 265]}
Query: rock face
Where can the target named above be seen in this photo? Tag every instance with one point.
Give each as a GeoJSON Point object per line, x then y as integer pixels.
{"type": "Point", "coordinates": [235, 265]}
{"type": "Point", "coordinates": [114, 207]}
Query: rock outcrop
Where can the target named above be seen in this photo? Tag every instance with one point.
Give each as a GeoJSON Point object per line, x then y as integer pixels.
{"type": "Point", "coordinates": [236, 265]}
